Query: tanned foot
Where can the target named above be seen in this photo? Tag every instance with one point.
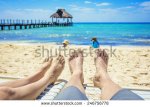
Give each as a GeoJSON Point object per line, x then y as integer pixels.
{"type": "Point", "coordinates": [76, 64]}
{"type": "Point", "coordinates": [46, 65]}
{"type": "Point", "coordinates": [56, 68]}
{"type": "Point", "coordinates": [101, 61]}
{"type": "Point", "coordinates": [47, 62]}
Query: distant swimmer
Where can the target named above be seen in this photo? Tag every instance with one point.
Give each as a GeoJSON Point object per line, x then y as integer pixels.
{"type": "Point", "coordinates": [95, 43]}
{"type": "Point", "coordinates": [65, 43]}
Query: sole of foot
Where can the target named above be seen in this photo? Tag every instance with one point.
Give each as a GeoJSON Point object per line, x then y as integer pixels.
{"type": "Point", "coordinates": [76, 64]}
{"type": "Point", "coordinates": [57, 67]}
{"type": "Point", "coordinates": [101, 62]}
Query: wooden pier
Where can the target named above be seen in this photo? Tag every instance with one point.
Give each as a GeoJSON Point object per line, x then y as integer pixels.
{"type": "Point", "coordinates": [29, 24]}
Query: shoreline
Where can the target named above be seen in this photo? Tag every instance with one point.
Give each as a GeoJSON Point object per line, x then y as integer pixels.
{"type": "Point", "coordinates": [55, 44]}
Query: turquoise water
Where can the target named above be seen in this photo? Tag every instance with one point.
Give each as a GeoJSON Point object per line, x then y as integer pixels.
{"type": "Point", "coordinates": [81, 34]}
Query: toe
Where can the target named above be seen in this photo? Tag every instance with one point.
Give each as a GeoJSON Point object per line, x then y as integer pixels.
{"type": "Point", "coordinates": [76, 54]}
{"type": "Point", "coordinates": [61, 59]}
{"type": "Point", "coordinates": [80, 52]}
{"type": "Point", "coordinates": [95, 60]}
{"type": "Point", "coordinates": [50, 59]}
{"type": "Point", "coordinates": [103, 55]}
{"type": "Point", "coordinates": [107, 60]}
{"type": "Point", "coordinates": [100, 53]}
{"type": "Point", "coordinates": [57, 58]}
{"type": "Point", "coordinates": [46, 60]}
{"type": "Point", "coordinates": [63, 62]}
{"type": "Point", "coordinates": [106, 57]}
{"type": "Point", "coordinates": [71, 56]}
{"type": "Point", "coordinates": [96, 53]}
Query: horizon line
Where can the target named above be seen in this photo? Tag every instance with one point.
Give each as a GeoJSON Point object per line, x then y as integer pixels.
{"type": "Point", "coordinates": [111, 22]}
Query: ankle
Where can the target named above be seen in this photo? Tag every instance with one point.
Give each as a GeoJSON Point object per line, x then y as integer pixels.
{"type": "Point", "coordinates": [101, 80]}
{"type": "Point", "coordinates": [101, 70]}
{"type": "Point", "coordinates": [77, 69]}
{"type": "Point", "coordinates": [102, 74]}
{"type": "Point", "coordinates": [105, 82]}
{"type": "Point", "coordinates": [77, 74]}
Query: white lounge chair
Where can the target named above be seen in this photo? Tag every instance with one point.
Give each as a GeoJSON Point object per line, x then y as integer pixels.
{"type": "Point", "coordinates": [92, 92]}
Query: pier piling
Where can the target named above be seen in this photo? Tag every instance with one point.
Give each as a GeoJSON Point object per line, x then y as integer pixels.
{"type": "Point", "coordinates": [15, 27]}
{"type": "Point", "coordinates": [2, 27]}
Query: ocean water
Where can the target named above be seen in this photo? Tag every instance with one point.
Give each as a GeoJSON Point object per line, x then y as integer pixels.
{"type": "Point", "coordinates": [81, 34]}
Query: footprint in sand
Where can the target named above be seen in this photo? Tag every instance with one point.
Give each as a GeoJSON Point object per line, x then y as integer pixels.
{"type": "Point", "coordinates": [142, 84]}
{"type": "Point", "coordinates": [147, 84]}
{"type": "Point", "coordinates": [26, 54]}
{"type": "Point", "coordinates": [134, 77]}
{"type": "Point", "coordinates": [136, 84]}
{"type": "Point", "coordinates": [17, 60]}
{"type": "Point", "coordinates": [3, 71]}
{"type": "Point", "coordinates": [10, 66]}
{"type": "Point", "coordinates": [145, 55]}
{"type": "Point", "coordinates": [128, 70]}
{"type": "Point", "coordinates": [26, 75]}
{"type": "Point", "coordinates": [144, 73]}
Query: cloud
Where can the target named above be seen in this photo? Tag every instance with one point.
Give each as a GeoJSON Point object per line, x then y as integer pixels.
{"type": "Point", "coordinates": [145, 5]}
{"type": "Point", "coordinates": [81, 9]}
{"type": "Point", "coordinates": [87, 2]}
{"type": "Point", "coordinates": [107, 14]}
{"type": "Point", "coordinates": [72, 5]}
{"type": "Point", "coordinates": [103, 4]}
{"type": "Point", "coordinates": [36, 10]}
{"type": "Point", "coordinates": [129, 7]}
{"type": "Point", "coordinates": [98, 4]}
{"type": "Point", "coordinates": [126, 7]}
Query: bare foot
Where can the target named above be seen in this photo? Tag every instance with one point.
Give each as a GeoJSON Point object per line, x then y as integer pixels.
{"type": "Point", "coordinates": [41, 72]}
{"type": "Point", "coordinates": [76, 64]}
{"type": "Point", "coordinates": [47, 62]}
{"type": "Point", "coordinates": [101, 61]}
{"type": "Point", "coordinates": [56, 67]}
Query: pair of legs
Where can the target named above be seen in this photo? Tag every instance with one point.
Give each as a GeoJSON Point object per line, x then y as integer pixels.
{"type": "Point", "coordinates": [31, 87]}
{"type": "Point", "coordinates": [101, 78]}
{"type": "Point", "coordinates": [109, 90]}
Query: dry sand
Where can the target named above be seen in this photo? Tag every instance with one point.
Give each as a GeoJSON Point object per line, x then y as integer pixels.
{"type": "Point", "coordinates": [128, 66]}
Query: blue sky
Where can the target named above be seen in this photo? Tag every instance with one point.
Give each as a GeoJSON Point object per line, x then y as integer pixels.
{"type": "Point", "coordinates": [82, 10]}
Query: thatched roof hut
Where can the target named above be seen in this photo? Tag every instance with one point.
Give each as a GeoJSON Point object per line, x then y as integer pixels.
{"type": "Point", "coordinates": [61, 13]}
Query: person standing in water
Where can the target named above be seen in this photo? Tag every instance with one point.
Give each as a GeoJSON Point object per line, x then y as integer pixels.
{"type": "Point", "coordinates": [95, 43]}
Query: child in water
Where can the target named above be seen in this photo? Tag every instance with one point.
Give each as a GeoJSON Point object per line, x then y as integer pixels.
{"type": "Point", "coordinates": [95, 43]}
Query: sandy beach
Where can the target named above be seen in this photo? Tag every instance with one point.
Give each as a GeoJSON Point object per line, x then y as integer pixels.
{"type": "Point", "coordinates": [128, 66]}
